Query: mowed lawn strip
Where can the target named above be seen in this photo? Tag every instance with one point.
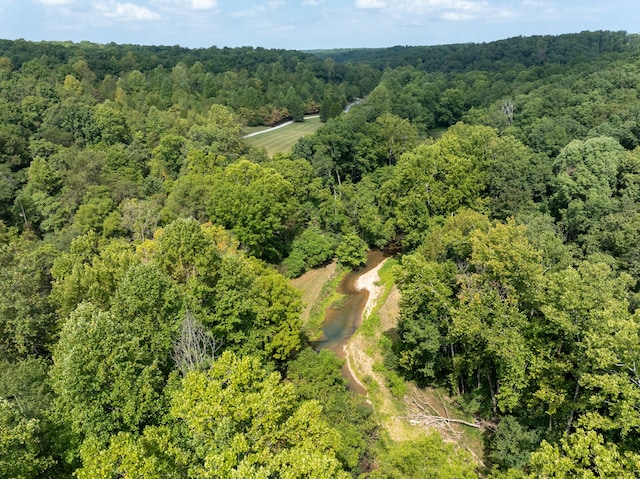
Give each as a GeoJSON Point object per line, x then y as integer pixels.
{"type": "Point", "coordinates": [247, 130]}
{"type": "Point", "coordinates": [282, 139]}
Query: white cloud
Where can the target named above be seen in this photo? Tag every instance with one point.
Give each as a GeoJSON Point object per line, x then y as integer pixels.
{"type": "Point", "coordinates": [428, 6]}
{"type": "Point", "coordinates": [371, 3]}
{"type": "Point", "coordinates": [451, 10]}
{"type": "Point", "coordinates": [55, 2]}
{"type": "Point", "coordinates": [203, 4]}
{"type": "Point", "coordinates": [312, 3]}
{"type": "Point", "coordinates": [456, 16]}
{"type": "Point", "coordinates": [125, 11]}
{"type": "Point", "coordinates": [260, 10]}
{"type": "Point", "coordinates": [186, 4]}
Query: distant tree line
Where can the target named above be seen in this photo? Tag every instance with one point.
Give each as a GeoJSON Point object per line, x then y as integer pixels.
{"type": "Point", "coordinates": [535, 50]}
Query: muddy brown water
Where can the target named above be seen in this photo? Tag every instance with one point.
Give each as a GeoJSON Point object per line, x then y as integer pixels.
{"type": "Point", "coordinates": [342, 322]}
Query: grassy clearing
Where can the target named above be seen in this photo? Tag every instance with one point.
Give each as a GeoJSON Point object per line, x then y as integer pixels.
{"type": "Point", "coordinates": [282, 139]}
{"type": "Point", "coordinates": [328, 297]}
{"type": "Point", "coordinates": [310, 284]}
{"type": "Point", "coordinates": [247, 130]}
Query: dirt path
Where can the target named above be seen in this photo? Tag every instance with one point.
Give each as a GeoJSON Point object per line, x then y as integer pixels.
{"type": "Point", "coordinates": [287, 123]}
{"type": "Point", "coordinates": [362, 352]}
{"type": "Point", "coordinates": [281, 125]}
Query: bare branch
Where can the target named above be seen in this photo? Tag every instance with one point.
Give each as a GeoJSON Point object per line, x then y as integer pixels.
{"type": "Point", "coordinates": [508, 108]}
{"type": "Point", "coordinates": [196, 348]}
{"type": "Point", "coordinates": [422, 413]}
{"type": "Point", "coordinates": [424, 420]}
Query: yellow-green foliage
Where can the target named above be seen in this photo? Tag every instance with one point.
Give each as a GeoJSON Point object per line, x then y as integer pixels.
{"type": "Point", "coordinates": [428, 457]}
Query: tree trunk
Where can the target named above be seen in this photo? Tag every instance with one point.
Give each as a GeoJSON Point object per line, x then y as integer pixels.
{"type": "Point", "coordinates": [573, 409]}
{"type": "Point", "coordinates": [338, 177]}
{"type": "Point", "coordinates": [494, 402]}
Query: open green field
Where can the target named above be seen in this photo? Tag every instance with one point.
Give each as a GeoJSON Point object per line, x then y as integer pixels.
{"type": "Point", "coordinates": [247, 130]}
{"type": "Point", "coordinates": [281, 140]}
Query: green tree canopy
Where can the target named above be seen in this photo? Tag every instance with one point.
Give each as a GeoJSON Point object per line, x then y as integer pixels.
{"type": "Point", "coordinates": [245, 422]}
{"type": "Point", "coordinates": [255, 203]}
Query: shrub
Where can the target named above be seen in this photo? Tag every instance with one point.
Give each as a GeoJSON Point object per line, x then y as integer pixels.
{"type": "Point", "coordinates": [312, 248]}
{"type": "Point", "coordinates": [352, 251]}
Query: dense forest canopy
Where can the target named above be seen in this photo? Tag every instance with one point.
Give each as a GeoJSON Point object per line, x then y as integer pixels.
{"type": "Point", "coordinates": [147, 324]}
{"type": "Point", "coordinates": [526, 51]}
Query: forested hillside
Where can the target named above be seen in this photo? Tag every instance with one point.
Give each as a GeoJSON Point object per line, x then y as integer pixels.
{"type": "Point", "coordinates": [465, 57]}
{"type": "Point", "coordinates": [148, 327]}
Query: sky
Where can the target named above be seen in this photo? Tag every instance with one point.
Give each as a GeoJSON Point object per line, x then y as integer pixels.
{"type": "Point", "coordinates": [307, 24]}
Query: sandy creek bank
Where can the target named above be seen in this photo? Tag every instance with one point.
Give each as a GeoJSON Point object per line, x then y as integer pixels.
{"type": "Point", "coordinates": [342, 321]}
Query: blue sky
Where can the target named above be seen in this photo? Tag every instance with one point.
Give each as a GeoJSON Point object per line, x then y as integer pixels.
{"type": "Point", "coordinates": [307, 24]}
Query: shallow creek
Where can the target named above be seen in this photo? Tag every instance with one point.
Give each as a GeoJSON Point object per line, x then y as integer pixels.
{"type": "Point", "coordinates": [341, 322]}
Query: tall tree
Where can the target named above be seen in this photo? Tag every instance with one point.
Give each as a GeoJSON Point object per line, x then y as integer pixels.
{"type": "Point", "coordinates": [110, 367]}
{"type": "Point", "coordinates": [255, 203]}
{"type": "Point", "coordinates": [244, 421]}
{"type": "Point", "coordinates": [586, 180]}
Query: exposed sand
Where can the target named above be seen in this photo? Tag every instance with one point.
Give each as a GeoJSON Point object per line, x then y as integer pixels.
{"type": "Point", "coordinates": [368, 281]}
{"type": "Point", "coordinates": [361, 354]}
{"type": "Point", "coordinates": [355, 356]}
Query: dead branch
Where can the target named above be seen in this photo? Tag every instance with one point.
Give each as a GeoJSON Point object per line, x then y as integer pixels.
{"type": "Point", "coordinates": [195, 348]}
{"type": "Point", "coordinates": [428, 421]}
{"type": "Point", "coordinates": [422, 413]}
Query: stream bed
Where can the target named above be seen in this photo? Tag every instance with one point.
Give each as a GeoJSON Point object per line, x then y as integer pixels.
{"type": "Point", "coordinates": [342, 321]}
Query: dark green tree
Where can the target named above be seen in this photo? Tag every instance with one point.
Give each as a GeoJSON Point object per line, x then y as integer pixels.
{"type": "Point", "coordinates": [255, 203]}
